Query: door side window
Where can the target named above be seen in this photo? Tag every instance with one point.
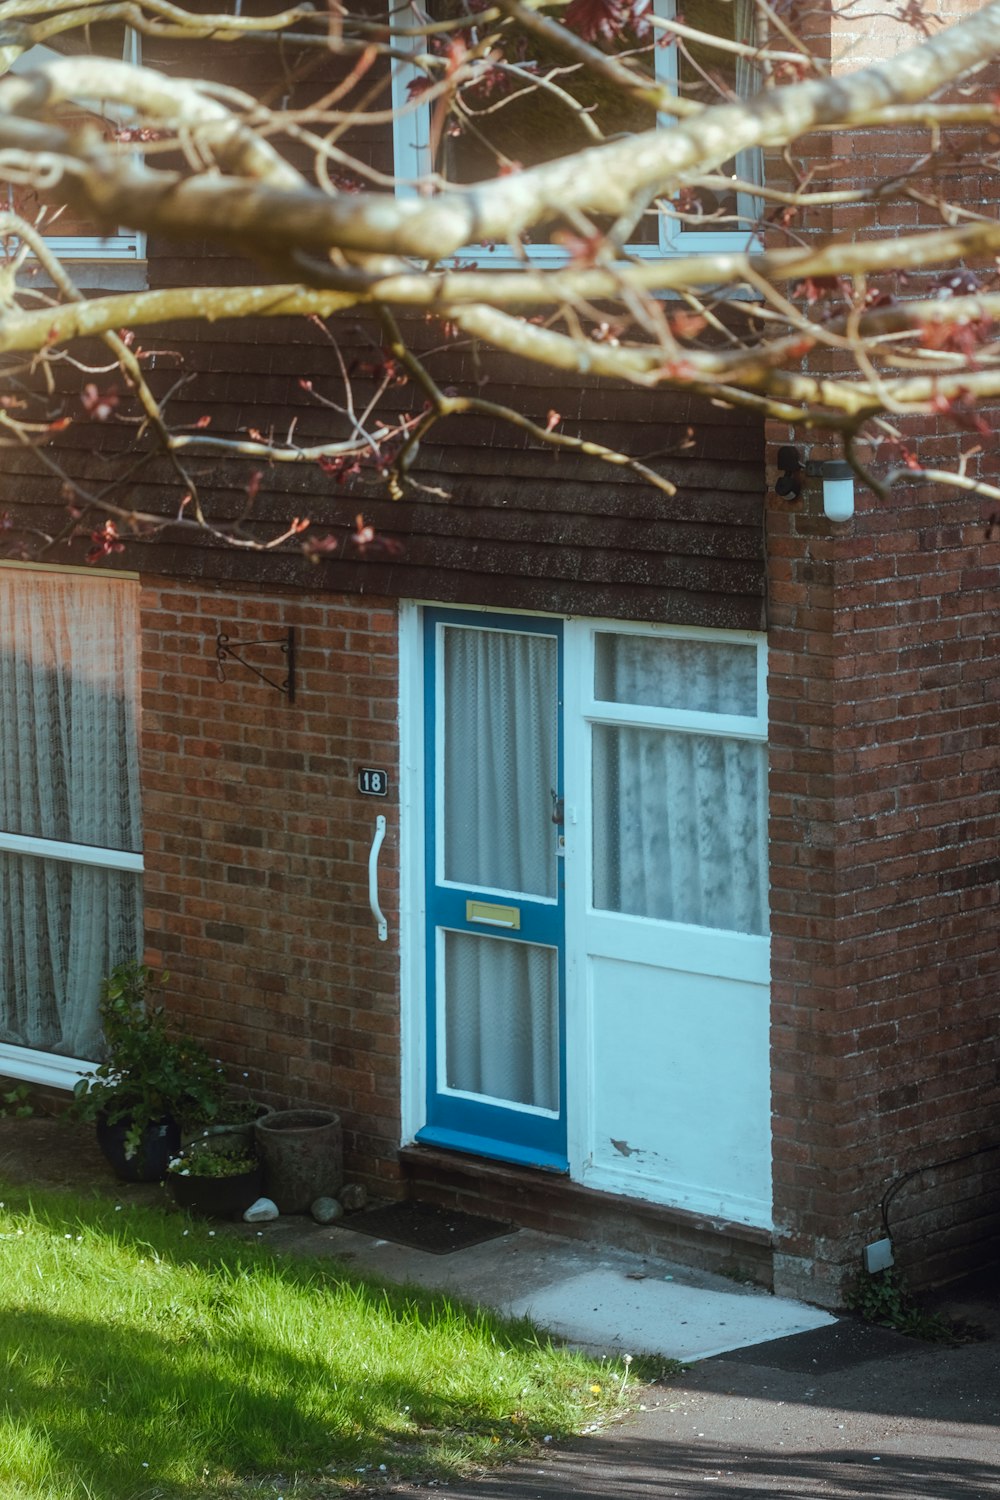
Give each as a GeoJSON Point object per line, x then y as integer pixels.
{"type": "Point", "coordinates": [679, 780]}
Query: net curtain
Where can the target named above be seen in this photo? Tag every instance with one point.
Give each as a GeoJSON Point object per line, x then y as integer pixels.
{"type": "Point", "coordinates": [69, 668]}
{"type": "Point", "coordinates": [680, 817]}
{"type": "Point", "coordinates": [501, 767]}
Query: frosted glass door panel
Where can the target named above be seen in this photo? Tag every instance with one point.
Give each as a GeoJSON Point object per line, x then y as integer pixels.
{"type": "Point", "coordinates": [500, 759]}
{"type": "Point", "coordinates": [502, 1019]}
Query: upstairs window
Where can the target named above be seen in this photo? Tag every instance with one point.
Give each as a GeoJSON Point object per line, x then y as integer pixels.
{"type": "Point", "coordinates": [67, 234]}
{"type": "Point", "coordinates": [534, 105]}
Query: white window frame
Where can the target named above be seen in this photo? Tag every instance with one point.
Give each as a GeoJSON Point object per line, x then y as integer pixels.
{"type": "Point", "coordinates": [124, 244]}
{"type": "Point", "coordinates": [685, 720]}
{"type": "Point", "coordinates": [26, 1063]}
{"type": "Point", "coordinates": [412, 162]}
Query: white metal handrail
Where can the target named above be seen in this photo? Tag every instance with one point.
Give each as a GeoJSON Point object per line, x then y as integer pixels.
{"type": "Point", "coordinates": [373, 901]}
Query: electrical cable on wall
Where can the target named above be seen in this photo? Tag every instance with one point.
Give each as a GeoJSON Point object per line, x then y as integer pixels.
{"type": "Point", "coordinates": [900, 1182]}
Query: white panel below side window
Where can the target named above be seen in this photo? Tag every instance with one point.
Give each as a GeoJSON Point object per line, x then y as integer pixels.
{"type": "Point", "coordinates": [681, 1090]}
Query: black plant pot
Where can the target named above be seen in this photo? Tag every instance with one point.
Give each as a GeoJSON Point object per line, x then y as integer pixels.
{"type": "Point", "coordinates": [158, 1142]}
{"type": "Point", "coordinates": [217, 1197]}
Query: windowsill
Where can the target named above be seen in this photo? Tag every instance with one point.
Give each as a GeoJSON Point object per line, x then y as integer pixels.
{"type": "Point", "coordinates": [49, 1068]}
{"type": "Point", "coordinates": [548, 257]}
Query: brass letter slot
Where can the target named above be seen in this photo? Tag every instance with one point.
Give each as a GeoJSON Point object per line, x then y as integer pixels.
{"type": "Point", "coordinates": [495, 916]}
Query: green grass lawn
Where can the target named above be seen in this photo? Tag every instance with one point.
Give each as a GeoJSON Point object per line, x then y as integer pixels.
{"type": "Point", "coordinates": [143, 1357]}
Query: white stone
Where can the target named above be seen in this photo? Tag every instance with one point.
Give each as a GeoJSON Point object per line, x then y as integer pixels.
{"type": "Point", "coordinates": [261, 1212]}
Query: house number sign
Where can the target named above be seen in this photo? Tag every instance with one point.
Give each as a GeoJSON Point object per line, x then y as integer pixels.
{"type": "Point", "coordinates": [372, 782]}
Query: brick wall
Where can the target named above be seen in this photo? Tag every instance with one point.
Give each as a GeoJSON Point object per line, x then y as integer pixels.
{"type": "Point", "coordinates": [885, 774]}
{"type": "Point", "coordinates": [257, 843]}
{"type": "Point", "coordinates": [884, 779]}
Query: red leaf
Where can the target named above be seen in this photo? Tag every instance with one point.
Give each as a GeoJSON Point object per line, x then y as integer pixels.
{"type": "Point", "coordinates": [99, 405]}
{"type": "Point", "coordinates": [105, 540]}
{"type": "Point", "coordinates": [596, 20]}
{"type": "Point", "coordinates": [317, 546]}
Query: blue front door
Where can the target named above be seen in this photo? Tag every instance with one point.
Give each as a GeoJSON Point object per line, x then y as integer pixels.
{"type": "Point", "coordinates": [495, 897]}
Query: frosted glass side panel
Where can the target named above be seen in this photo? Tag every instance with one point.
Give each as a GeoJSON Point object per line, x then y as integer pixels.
{"type": "Point", "coordinates": [502, 1019]}
{"type": "Point", "coordinates": [500, 759]}
{"type": "Point", "coordinates": [662, 672]}
{"type": "Point", "coordinates": [680, 827]}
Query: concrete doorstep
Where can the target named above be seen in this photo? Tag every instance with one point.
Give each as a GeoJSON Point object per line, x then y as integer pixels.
{"type": "Point", "coordinates": [608, 1302]}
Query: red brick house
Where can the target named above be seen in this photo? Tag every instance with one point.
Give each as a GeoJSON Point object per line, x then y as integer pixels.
{"type": "Point", "coordinates": [689, 865]}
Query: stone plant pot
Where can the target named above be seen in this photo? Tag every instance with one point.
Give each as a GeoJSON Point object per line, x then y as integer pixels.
{"type": "Point", "coordinates": [159, 1142]}
{"type": "Point", "coordinates": [302, 1151]}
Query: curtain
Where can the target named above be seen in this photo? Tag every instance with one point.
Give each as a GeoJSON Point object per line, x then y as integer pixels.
{"type": "Point", "coordinates": [68, 772]}
{"type": "Point", "coordinates": [708, 677]}
{"type": "Point", "coordinates": [744, 30]}
{"type": "Point", "coordinates": [749, 164]}
{"type": "Point", "coordinates": [500, 759]}
{"type": "Point", "coordinates": [500, 723]}
{"type": "Point", "coordinates": [502, 1019]}
{"type": "Point", "coordinates": [680, 817]}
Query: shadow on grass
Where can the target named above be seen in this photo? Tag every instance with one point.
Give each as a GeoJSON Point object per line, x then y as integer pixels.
{"type": "Point", "coordinates": [199, 1397]}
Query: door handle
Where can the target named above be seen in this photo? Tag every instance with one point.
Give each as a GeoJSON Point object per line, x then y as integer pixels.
{"type": "Point", "coordinates": [381, 924]}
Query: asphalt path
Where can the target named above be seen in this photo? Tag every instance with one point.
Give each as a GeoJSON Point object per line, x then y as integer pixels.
{"type": "Point", "coordinates": [849, 1412]}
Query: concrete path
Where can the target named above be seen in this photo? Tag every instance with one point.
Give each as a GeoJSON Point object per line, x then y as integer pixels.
{"type": "Point", "coordinates": [606, 1301]}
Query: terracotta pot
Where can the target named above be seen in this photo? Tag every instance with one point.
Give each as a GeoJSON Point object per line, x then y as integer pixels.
{"type": "Point", "coordinates": [303, 1155]}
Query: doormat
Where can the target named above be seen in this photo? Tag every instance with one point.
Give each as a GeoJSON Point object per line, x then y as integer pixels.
{"type": "Point", "coordinates": [424, 1226]}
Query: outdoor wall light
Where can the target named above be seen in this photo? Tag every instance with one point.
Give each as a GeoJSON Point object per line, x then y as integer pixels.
{"type": "Point", "coordinates": [836, 474]}
{"type": "Point", "coordinates": [838, 487]}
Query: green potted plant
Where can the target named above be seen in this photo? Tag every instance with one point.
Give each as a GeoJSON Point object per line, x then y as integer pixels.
{"type": "Point", "coordinates": [148, 1084]}
{"type": "Point", "coordinates": [217, 1176]}
{"type": "Point", "coordinates": [235, 1112]}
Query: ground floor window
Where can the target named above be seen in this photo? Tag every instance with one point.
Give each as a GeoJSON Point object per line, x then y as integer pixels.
{"type": "Point", "coordinates": [70, 814]}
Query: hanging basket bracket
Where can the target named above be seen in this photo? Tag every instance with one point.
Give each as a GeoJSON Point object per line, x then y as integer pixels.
{"type": "Point", "coordinates": [227, 649]}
